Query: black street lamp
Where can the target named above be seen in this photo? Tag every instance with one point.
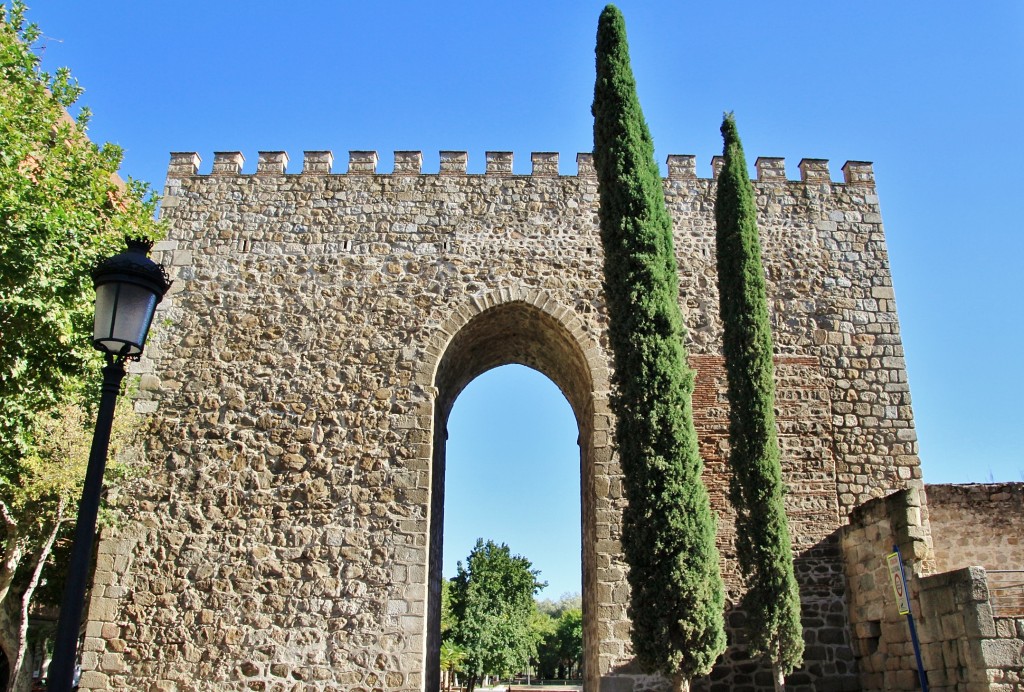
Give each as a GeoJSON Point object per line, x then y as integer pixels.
{"type": "Point", "coordinates": [128, 288]}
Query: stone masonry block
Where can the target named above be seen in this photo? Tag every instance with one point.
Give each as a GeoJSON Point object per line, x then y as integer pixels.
{"type": "Point", "coordinates": [545, 163]}
{"type": "Point", "coordinates": [498, 162]}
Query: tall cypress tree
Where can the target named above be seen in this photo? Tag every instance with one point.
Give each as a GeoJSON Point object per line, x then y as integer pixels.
{"type": "Point", "coordinates": [763, 546]}
{"type": "Point", "coordinates": [668, 533]}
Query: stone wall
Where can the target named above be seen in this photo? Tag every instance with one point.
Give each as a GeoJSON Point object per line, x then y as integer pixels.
{"type": "Point", "coordinates": [978, 524]}
{"type": "Point", "coordinates": [962, 645]}
{"type": "Point", "coordinates": [881, 636]}
{"type": "Point", "coordinates": [318, 331]}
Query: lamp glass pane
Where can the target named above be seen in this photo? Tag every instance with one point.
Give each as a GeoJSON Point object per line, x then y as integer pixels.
{"type": "Point", "coordinates": [130, 309]}
{"type": "Point", "coordinates": [106, 299]}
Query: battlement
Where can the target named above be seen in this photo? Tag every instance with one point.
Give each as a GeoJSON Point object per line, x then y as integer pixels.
{"type": "Point", "coordinates": [499, 164]}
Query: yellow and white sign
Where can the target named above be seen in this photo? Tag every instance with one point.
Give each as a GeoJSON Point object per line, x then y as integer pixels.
{"type": "Point", "coordinates": [899, 584]}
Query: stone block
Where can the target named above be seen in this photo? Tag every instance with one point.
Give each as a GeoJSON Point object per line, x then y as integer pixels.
{"type": "Point", "coordinates": [498, 163]}
{"type": "Point", "coordinates": [1003, 653]}
{"type": "Point", "coordinates": [545, 163]}
{"type": "Point", "coordinates": [682, 167]}
{"type": "Point", "coordinates": [227, 162]}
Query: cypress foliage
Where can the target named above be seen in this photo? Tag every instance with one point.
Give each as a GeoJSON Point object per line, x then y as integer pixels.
{"type": "Point", "coordinates": [763, 544]}
{"type": "Point", "coordinates": [668, 533]}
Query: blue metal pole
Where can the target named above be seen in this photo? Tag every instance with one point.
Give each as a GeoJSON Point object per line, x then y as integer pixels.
{"type": "Point", "coordinates": [921, 675]}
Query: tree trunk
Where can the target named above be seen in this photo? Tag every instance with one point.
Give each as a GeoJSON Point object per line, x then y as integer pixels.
{"type": "Point", "coordinates": [779, 677]}
{"type": "Point", "coordinates": [15, 622]}
{"type": "Point", "coordinates": [680, 684]}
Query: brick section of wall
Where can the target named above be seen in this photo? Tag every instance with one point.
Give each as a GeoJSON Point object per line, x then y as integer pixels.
{"type": "Point", "coordinates": [804, 418]}
{"type": "Point", "coordinates": [283, 535]}
{"type": "Point", "coordinates": [977, 524]}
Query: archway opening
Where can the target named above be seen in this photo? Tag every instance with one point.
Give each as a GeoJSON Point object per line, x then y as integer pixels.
{"type": "Point", "coordinates": [513, 475]}
{"type": "Point", "coordinates": [513, 333]}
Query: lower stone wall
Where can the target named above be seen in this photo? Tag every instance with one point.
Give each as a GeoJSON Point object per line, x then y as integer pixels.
{"type": "Point", "coordinates": [962, 645]}
{"type": "Point", "coordinates": [881, 637]}
{"type": "Point", "coordinates": [977, 524]}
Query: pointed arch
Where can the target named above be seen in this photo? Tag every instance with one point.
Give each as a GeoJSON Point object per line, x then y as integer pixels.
{"type": "Point", "coordinates": [524, 327]}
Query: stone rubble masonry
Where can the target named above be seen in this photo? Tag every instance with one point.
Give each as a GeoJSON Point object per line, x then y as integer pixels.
{"type": "Point", "coordinates": [318, 331]}
{"type": "Point", "coordinates": [978, 524]}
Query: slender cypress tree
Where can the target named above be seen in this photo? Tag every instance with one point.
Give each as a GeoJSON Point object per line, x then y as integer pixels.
{"type": "Point", "coordinates": [668, 533]}
{"type": "Point", "coordinates": [763, 546]}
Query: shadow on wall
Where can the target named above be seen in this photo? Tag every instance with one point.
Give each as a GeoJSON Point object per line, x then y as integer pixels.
{"type": "Point", "coordinates": [829, 655]}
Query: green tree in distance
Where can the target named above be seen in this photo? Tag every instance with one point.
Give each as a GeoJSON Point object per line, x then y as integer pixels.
{"type": "Point", "coordinates": [453, 657]}
{"type": "Point", "coordinates": [62, 208]}
{"type": "Point", "coordinates": [560, 652]}
{"type": "Point", "coordinates": [492, 600]}
{"type": "Point", "coordinates": [763, 545]}
{"type": "Point", "coordinates": [668, 533]}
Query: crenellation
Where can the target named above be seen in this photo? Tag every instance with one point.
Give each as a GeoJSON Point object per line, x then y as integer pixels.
{"type": "Point", "coordinates": [681, 166]}
{"type": "Point", "coordinates": [545, 163]}
{"type": "Point", "coordinates": [362, 162]}
{"type": "Point", "coordinates": [814, 171]}
{"type": "Point", "coordinates": [717, 163]}
{"type": "Point", "coordinates": [317, 162]}
{"type": "Point", "coordinates": [771, 169]}
{"type": "Point", "coordinates": [271, 163]}
{"type": "Point", "coordinates": [585, 165]}
{"type": "Point", "coordinates": [859, 173]}
{"type": "Point", "coordinates": [183, 164]}
{"type": "Point", "coordinates": [227, 162]}
{"type": "Point", "coordinates": [453, 162]}
{"type": "Point", "coordinates": [856, 174]}
{"type": "Point", "coordinates": [408, 162]}
{"type": "Point", "coordinates": [499, 163]}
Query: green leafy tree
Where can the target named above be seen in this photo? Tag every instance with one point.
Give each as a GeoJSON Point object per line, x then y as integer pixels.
{"type": "Point", "coordinates": [453, 657]}
{"type": "Point", "coordinates": [62, 207]}
{"type": "Point", "coordinates": [560, 648]}
{"type": "Point", "coordinates": [544, 662]}
{"type": "Point", "coordinates": [668, 533]}
{"type": "Point", "coordinates": [569, 643]}
{"type": "Point", "coordinates": [492, 598]}
{"type": "Point", "coordinates": [763, 545]}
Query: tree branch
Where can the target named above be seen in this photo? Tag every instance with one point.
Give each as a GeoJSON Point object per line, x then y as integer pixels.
{"type": "Point", "coordinates": [13, 548]}
{"type": "Point", "coordinates": [40, 558]}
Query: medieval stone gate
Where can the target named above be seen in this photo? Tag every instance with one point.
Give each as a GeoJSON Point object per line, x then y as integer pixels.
{"type": "Point", "coordinates": [322, 325]}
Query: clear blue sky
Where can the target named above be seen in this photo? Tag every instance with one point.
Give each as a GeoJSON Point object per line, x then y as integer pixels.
{"type": "Point", "coordinates": [931, 92]}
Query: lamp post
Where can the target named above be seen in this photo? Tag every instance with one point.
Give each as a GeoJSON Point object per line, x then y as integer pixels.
{"type": "Point", "coordinates": [128, 288]}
